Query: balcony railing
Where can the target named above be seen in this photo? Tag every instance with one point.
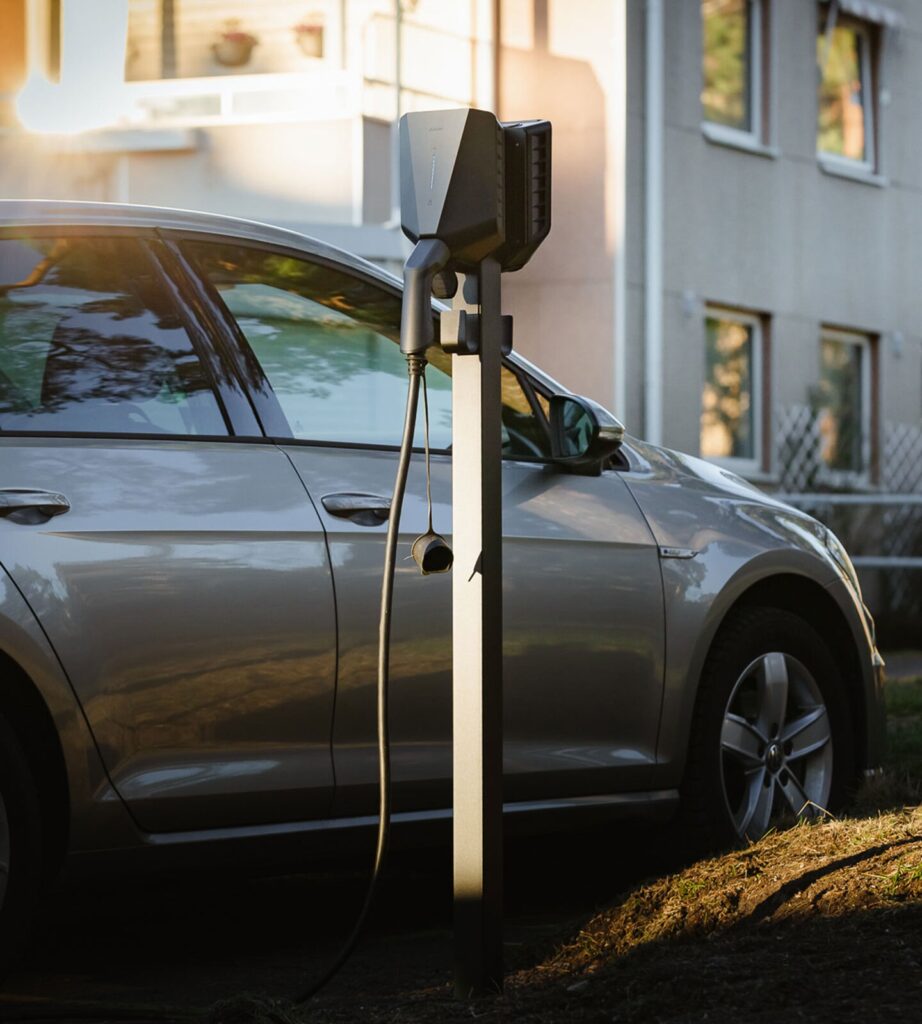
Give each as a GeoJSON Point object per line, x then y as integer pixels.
{"type": "Point", "coordinates": [319, 94]}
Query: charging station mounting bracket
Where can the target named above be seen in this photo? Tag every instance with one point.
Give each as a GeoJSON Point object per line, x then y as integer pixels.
{"type": "Point", "coordinates": [460, 334]}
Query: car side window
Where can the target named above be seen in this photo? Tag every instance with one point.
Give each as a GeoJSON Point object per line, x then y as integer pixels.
{"type": "Point", "coordinates": [91, 342]}
{"type": "Point", "coordinates": [327, 342]}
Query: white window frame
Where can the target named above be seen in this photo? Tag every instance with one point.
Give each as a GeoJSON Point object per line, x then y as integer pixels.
{"type": "Point", "coordinates": [750, 138]}
{"type": "Point", "coordinates": [752, 466]}
{"type": "Point", "coordinates": [868, 165]}
{"type": "Point", "coordinates": [842, 478]}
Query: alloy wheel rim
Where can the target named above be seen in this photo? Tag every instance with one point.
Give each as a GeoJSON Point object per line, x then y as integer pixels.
{"type": "Point", "coordinates": [775, 746]}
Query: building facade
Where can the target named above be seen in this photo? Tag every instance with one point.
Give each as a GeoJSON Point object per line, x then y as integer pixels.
{"type": "Point", "coordinates": [737, 194]}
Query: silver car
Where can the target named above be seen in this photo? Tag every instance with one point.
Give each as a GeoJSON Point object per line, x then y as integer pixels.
{"type": "Point", "coordinates": [199, 420]}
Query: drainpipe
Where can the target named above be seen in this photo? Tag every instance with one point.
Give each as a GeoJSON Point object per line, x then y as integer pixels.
{"type": "Point", "coordinates": [395, 129]}
{"type": "Point", "coordinates": [653, 224]}
{"type": "Point", "coordinates": [618, 177]}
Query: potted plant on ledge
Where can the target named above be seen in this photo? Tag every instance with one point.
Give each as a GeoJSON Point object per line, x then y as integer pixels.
{"type": "Point", "coordinates": [309, 35]}
{"type": "Point", "coordinates": [234, 45]}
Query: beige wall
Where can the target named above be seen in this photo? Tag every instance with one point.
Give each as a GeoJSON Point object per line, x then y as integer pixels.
{"type": "Point", "coordinates": [292, 173]}
{"type": "Point", "coordinates": [556, 63]}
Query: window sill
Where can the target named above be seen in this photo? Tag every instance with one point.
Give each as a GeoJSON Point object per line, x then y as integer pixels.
{"type": "Point", "coordinates": [852, 171]}
{"type": "Point", "coordinates": [733, 139]}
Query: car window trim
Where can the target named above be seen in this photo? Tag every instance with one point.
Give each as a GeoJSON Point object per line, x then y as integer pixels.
{"type": "Point", "coordinates": [235, 401]}
{"type": "Point", "coordinates": [198, 342]}
{"type": "Point", "coordinates": [114, 435]}
{"type": "Point", "coordinates": [219, 324]}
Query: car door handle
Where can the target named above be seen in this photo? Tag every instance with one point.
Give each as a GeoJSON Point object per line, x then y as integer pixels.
{"type": "Point", "coordinates": [364, 509]}
{"type": "Point", "coordinates": [28, 507]}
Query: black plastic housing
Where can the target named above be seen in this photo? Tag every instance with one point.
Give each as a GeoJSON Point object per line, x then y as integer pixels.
{"type": "Point", "coordinates": [451, 182]}
{"type": "Point", "coordinates": [480, 187]}
{"type": "Point", "coordinates": [527, 153]}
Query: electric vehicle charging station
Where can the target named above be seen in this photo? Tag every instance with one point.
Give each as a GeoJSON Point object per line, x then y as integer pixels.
{"type": "Point", "coordinates": [475, 198]}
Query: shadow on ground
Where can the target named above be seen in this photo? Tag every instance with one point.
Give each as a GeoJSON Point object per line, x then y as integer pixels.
{"type": "Point", "coordinates": [190, 941]}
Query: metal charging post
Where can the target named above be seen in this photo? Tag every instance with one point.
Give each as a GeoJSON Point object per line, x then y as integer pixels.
{"type": "Point", "coordinates": [477, 630]}
{"type": "Point", "coordinates": [475, 199]}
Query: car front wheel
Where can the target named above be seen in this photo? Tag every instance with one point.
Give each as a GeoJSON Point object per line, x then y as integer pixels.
{"type": "Point", "coordinates": [772, 737]}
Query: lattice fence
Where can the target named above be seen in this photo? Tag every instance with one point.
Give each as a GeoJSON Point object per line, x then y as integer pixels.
{"type": "Point", "coordinates": [902, 458]}
{"type": "Point", "coordinates": [797, 448]}
{"type": "Point", "coordinates": [879, 531]}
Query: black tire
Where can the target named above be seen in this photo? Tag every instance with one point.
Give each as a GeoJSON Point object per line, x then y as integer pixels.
{"type": "Point", "coordinates": [20, 845]}
{"type": "Point", "coordinates": [724, 779]}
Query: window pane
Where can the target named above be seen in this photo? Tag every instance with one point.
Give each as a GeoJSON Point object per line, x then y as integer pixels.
{"type": "Point", "coordinates": [841, 128]}
{"type": "Point", "coordinates": [841, 412]}
{"type": "Point", "coordinates": [727, 57]}
{"type": "Point", "coordinates": [524, 435]}
{"type": "Point", "coordinates": [90, 342]}
{"type": "Point", "coordinates": [327, 341]}
{"type": "Point", "coordinates": [727, 413]}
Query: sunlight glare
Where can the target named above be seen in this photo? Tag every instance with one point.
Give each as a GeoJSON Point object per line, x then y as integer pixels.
{"type": "Point", "coordinates": [91, 93]}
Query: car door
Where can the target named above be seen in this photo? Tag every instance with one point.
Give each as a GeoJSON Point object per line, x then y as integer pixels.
{"type": "Point", "coordinates": [175, 567]}
{"type": "Point", "coordinates": [583, 609]}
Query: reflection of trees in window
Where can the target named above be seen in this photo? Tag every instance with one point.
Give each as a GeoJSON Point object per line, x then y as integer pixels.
{"type": "Point", "coordinates": [326, 341]}
{"type": "Point", "coordinates": [726, 416]}
{"type": "Point", "coordinates": [88, 335]}
{"type": "Point", "coordinates": [227, 266]}
{"type": "Point", "coordinates": [726, 57]}
{"type": "Point", "coordinates": [841, 128]}
{"type": "Point", "coordinates": [840, 405]}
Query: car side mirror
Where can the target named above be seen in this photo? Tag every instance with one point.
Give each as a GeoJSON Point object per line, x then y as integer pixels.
{"type": "Point", "coordinates": [583, 434]}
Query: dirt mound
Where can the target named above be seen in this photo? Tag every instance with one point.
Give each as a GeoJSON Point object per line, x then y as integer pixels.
{"type": "Point", "coordinates": [834, 869]}
{"type": "Point", "coordinates": [822, 922]}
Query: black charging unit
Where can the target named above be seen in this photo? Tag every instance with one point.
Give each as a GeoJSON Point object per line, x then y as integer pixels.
{"type": "Point", "coordinates": [475, 198]}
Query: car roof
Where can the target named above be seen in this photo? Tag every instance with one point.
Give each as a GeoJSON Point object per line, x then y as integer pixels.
{"type": "Point", "coordinates": [34, 212]}
{"type": "Point", "coordinates": [72, 213]}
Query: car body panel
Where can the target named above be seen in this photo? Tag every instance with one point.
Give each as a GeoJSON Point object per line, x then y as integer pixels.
{"type": "Point", "coordinates": [696, 537]}
{"type": "Point", "coordinates": [96, 816]}
{"type": "Point", "coordinates": [188, 594]}
{"type": "Point", "coordinates": [583, 634]}
{"type": "Point", "coordinates": [720, 536]}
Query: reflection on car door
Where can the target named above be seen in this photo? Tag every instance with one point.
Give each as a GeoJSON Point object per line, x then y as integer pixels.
{"type": "Point", "coordinates": [184, 588]}
{"type": "Point", "coordinates": [583, 609]}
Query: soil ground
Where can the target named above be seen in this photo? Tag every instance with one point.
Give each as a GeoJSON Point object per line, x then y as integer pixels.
{"type": "Point", "coordinates": [822, 922]}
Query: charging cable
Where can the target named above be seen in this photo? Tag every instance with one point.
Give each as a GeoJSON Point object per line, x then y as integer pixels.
{"type": "Point", "coordinates": [415, 368]}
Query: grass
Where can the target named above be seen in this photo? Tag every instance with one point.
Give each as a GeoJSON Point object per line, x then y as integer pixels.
{"type": "Point", "coordinates": [901, 781]}
{"type": "Point", "coordinates": [822, 921]}
{"type": "Point", "coordinates": [904, 720]}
